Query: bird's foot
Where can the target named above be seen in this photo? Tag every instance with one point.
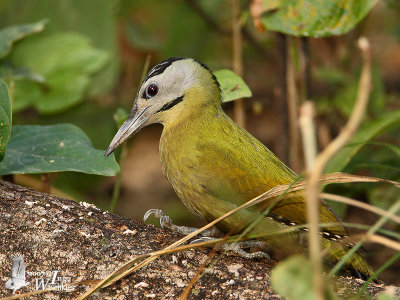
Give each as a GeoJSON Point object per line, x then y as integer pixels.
{"type": "Point", "coordinates": [238, 248]}
{"type": "Point", "coordinates": [166, 223]}
{"type": "Point", "coordinates": [207, 235]}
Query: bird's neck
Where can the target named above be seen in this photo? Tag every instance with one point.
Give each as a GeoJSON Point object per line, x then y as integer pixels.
{"type": "Point", "coordinates": [199, 103]}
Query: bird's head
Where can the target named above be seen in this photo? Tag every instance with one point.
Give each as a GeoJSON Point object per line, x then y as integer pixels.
{"type": "Point", "coordinates": [173, 89]}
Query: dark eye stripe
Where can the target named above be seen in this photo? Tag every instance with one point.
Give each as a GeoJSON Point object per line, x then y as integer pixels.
{"type": "Point", "coordinates": [170, 104]}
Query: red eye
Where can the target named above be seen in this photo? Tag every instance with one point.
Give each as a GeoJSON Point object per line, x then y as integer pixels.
{"type": "Point", "coordinates": [152, 90]}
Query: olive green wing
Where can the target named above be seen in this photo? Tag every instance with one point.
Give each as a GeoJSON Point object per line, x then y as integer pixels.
{"type": "Point", "coordinates": [239, 168]}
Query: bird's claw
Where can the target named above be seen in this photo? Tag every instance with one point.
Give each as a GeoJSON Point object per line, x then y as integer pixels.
{"type": "Point", "coordinates": [165, 221]}
{"type": "Point", "coordinates": [202, 239]}
{"type": "Point", "coordinates": [158, 213]}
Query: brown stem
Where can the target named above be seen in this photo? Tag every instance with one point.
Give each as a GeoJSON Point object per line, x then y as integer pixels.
{"type": "Point", "coordinates": [239, 107]}
{"type": "Point", "coordinates": [282, 104]}
{"type": "Point", "coordinates": [306, 122]}
{"type": "Point", "coordinates": [292, 100]}
{"type": "Point", "coordinates": [305, 53]}
{"type": "Point", "coordinates": [313, 188]}
{"type": "Point", "coordinates": [45, 183]}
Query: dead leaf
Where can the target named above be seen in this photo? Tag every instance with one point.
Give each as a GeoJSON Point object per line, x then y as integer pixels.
{"type": "Point", "coordinates": [259, 7]}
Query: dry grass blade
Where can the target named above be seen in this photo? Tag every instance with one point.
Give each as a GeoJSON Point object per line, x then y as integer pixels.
{"type": "Point", "coordinates": [313, 186]}
{"type": "Point", "coordinates": [188, 288]}
{"type": "Point", "coordinates": [379, 239]}
{"type": "Point", "coordinates": [275, 192]}
{"type": "Point", "coordinates": [362, 205]}
{"type": "Point", "coordinates": [382, 220]}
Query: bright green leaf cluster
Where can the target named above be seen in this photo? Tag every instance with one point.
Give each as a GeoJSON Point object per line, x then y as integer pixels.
{"type": "Point", "coordinates": [66, 61]}
{"type": "Point", "coordinates": [50, 73]}
{"type": "Point", "coordinates": [10, 35]}
{"type": "Point", "coordinates": [233, 87]}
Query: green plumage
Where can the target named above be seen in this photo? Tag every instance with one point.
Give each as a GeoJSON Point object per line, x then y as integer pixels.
{"type": "Point", "coordinates": [215, 166]}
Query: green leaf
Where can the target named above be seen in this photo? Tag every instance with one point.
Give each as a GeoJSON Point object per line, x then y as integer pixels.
{"type": "Point", "coordinates": [316, 18]}
{"type": "Point", "coordinates": [95, 19]}
{"type": "Point", "coordinates": [389, 295]}
{"type": "Point", "coordinates": [56, 148]}
{"type": "Point", "coordinates": [233, 87]}
{"type": "Point", "coordinates": [9, 72]}
{"type": "Point", "coordinates": [66, 60]}
{"type": "Point", "coordinates": [297, 271]}
{"type": "Point", "coordinates": [367, 132]}
{"type": "Point", "coordinates": [5, 118]}
{"type": "Point", "coordinates": [11, 34]}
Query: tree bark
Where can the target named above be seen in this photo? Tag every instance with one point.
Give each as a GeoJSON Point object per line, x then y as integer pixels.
{"type": "Point", "coordinates": [82, 242]}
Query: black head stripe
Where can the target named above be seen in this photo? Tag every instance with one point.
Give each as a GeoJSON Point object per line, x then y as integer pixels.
{"type": "Point", "coordinates": [161, 67]}
{"type": "Point", "coordinates": [171, 104]}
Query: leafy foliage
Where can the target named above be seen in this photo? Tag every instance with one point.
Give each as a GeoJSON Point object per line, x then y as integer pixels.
{"type": "Point", "coordinates": [10, 72]}
{"type": "Point", "coordinates": [314, 18]}
{"type": "Point", "coordinates": [292, 279]}
{"type": "Point", "coordinates": [66, 61]}
{"type": "Point", "coordinates": [62, 147]}
{"type": "Point", "coordinates": [5, 117]}
{"type": "Point", "coordinates": [369, 131]}
{"type": "Point", "coordinates": [95, 19]}
{"type": "Point", "coordinates": [11, 34]}
{"type": "Point", "coordinates": [233, 87]}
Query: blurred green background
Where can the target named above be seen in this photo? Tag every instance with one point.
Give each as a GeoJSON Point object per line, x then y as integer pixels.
{"type": "Point", "coordinates": [101, 47]}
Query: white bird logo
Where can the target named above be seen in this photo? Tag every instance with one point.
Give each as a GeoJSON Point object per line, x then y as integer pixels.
{"type": "Point", "coordinates": [17, 279]}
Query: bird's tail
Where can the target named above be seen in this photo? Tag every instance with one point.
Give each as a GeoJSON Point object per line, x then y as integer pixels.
{"type": "Point", "coordinates": [356, 265]}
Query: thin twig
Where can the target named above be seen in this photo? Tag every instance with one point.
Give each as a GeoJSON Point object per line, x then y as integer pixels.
{"type": "Point", "coordinates": [371, 208]}
{"type": "Point", "coordinates": [46, 185]}
{"type": "Point", "coordinates": [196, 277]}
{"type": "Point", "coordinates": [306, 68]}
{"type": "Point", "coordinates": [124, 148]}
{"type": "Point", "coordinates": [313, 186]}
{"type": "Point", "coordinates": [307, 127]}
{"type": "Point", "coordinates": [384, 241]}
{"type": "Point", "coordinates": [237, 59]}
{"type": "Point", "coordinates": [282, 104]}
{"type": "Point", "coordinates": [292, 102]}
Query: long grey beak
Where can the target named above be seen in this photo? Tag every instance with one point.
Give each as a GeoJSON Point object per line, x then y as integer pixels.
{"type": "Point", "coordinates": [131, 125]}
